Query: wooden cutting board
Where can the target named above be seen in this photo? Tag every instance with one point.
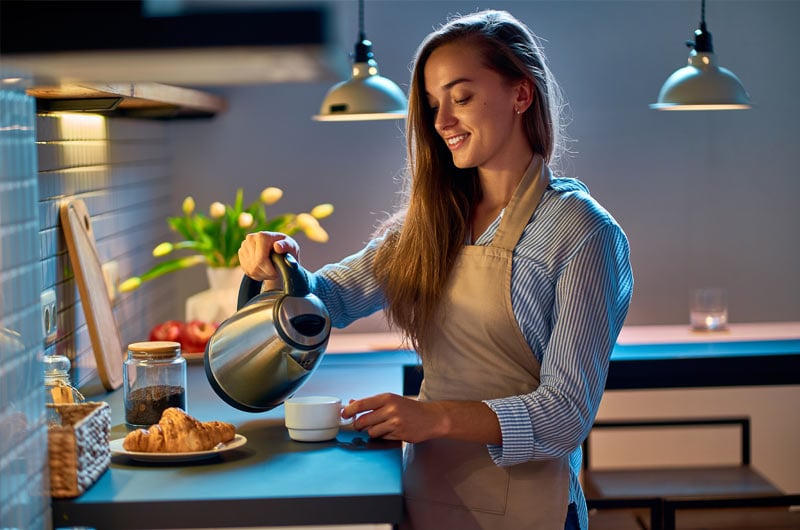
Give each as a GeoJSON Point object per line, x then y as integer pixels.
{"type": "Point", "coordinates": [103, 331]}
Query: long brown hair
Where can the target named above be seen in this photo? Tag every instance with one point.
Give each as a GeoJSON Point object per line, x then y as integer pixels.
{"type": "Point", "coordinates": [424, 239]}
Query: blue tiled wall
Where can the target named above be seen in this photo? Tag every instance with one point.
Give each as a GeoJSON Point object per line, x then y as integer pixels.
{"type": "Point", "coordinates": [121, 169]}
{"type": "Point", "coordinates": [23, 434]}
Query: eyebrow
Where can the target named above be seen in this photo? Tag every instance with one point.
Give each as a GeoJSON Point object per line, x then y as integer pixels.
{"type": "Point", "coordinates": [451, 84]}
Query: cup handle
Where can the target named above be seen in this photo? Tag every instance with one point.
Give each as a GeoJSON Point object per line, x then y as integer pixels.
{"type": "Point", "coordinates": [343, 422]}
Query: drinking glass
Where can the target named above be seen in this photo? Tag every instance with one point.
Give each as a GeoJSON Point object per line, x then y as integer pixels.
{"type": "Point", "coordinates": [708, 309]}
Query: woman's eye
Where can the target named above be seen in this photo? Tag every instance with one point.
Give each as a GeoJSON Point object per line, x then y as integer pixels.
{"type": "Point", "coordinates": [461, 101]}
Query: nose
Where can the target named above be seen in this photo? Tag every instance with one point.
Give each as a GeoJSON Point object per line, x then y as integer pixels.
{"type": "Point", "coordinates": [444, 118]}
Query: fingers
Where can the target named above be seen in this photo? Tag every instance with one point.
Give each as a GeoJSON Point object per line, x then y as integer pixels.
{"type": "Point", "coordinates": [364, 405]}
{"type": "Point", "coordinates": [254, 253]}
{"type": "Point", "coordinates": [287, 245]}
{"type": "Point", "coordinates": [383, 416]}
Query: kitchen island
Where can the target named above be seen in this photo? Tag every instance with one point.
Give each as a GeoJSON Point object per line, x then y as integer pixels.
{"type": "Point", "coordinates": [270, 481]}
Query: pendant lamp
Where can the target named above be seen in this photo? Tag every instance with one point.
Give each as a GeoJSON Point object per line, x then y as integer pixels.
{"type": "Point", "coordinates": [366, 95]}
{"type": "Point", "coordinates": [702, 84]}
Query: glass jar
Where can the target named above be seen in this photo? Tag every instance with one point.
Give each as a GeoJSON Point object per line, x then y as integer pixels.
{"type": "Point", "coordinates": [154, 379]}
{"type": "Point", "coordinates": [57, 383]}
{"type": "Point", "coordinates": [58, 388]}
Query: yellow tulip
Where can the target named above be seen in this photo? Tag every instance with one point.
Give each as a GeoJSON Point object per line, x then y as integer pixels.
{"type": "Point", "coordinates": [130, 284]}
{"type": "Point", "coordinates": [162, 249]}
{"type": "Point", "coordinates": [216, 210]}
{"type": "Point", "coordinates": [188, 205]}
{"type": "Point", "coordinates": [321, 211]}
{"type": "Point", "coordinates": [306, 221]}
{"type": "Point", "coordinates": [271, 195]}
{"type": "Point", "coordinates": [316, 233]}
{"type": "Point", "coordinates": [245, 220]}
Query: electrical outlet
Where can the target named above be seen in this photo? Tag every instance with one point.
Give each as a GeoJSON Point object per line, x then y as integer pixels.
{"type": "Point", "coordinates": [111, 277]}
{"type": "Point", "coordinates": [49, 316]}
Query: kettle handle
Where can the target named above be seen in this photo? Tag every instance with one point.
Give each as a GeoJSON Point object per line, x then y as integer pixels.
{"type": "Point", "coordinates": [295, 282]}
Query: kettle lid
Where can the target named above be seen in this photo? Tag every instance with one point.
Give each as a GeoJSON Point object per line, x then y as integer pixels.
{"type": "Point", "coordinates": [302, 321]}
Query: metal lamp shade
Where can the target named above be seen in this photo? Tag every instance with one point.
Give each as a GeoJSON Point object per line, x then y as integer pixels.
{"type": "Point", "coordinates": [366, 96]}
{"type": "Point", "coordinates": [702, 85]}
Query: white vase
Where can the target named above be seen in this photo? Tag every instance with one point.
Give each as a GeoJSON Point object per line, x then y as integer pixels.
{"type": "Point", "coordinates": [224, 277]}
{"type": "Point", "coordinates": [218, 302]}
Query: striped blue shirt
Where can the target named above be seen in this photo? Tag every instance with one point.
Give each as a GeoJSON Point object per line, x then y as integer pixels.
{"type": "Point", "coordinates": [570, 290]}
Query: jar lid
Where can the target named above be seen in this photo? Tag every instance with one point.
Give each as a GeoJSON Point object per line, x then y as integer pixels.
{"type": "Point", "coordinates": [155, 349]}
{"type": "Point", "coordinates": [56, 364]}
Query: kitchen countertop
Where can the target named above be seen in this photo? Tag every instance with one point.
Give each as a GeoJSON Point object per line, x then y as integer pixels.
{"type": "Point", "coordinates": [270, 481]}
{"type": "Point", "coordinates": [666, 356]}
{"type": "Point", "coordinates": [273, 480]}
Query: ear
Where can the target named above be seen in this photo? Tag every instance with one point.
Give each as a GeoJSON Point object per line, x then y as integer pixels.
{"type": "Point", "coordinates": [524, 94]}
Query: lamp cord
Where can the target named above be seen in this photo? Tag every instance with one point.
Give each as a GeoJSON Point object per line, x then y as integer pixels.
{"type": "Point", "coordinates": [363, 51]}
{"type": "Point", "coordinates": [702, 37]}
{"type": "Point", "coordinates": [361, 34]}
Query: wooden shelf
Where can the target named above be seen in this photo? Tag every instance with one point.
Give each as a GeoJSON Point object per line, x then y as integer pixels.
{"type": "Point", "coordinates": [135, 100]}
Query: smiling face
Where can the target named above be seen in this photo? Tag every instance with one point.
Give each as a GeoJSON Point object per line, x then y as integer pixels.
{"type": "Point", "coordinates": [474, 107]}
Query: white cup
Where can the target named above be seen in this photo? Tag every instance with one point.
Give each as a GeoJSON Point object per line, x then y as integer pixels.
{"type": "Point", "coordinates": [313, 418]}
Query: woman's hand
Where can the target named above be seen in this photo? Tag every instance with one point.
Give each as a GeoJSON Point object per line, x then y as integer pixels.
{"type": "Point", "coordinates": [255, 250]}
{"type": "Point", "coordinates": [394, 417]}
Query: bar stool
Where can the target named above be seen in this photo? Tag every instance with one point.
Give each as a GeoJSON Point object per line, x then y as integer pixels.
{"type": "Point", "coordinates": [775, 512]}
{"type": "Point", "coordinates": [664, 490]}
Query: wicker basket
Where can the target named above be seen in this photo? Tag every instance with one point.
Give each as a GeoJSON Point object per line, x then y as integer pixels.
{"type": "Point", "coordinates": [78, 449]}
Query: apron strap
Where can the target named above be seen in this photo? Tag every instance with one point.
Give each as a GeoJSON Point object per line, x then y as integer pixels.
{"type": "Point", "coordinates": [523, 202]}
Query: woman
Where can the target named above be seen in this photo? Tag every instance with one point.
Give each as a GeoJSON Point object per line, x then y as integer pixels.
{"type": "Point", "coordinates": [511, 284]}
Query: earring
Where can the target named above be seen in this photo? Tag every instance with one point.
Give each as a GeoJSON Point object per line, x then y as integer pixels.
{"type": "Point", "coordinates": [517, 111]}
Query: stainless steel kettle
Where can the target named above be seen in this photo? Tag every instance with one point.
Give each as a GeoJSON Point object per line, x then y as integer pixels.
{"type": "Point", "coordinates": [265, 351]}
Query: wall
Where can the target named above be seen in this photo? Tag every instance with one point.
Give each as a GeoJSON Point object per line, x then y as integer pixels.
{"type": "Point", "coordinates": [705, 198]}
{"type": "Point", "coordinates": [23, 434]}
{"type": "Point", "coordinates": [120, 169]}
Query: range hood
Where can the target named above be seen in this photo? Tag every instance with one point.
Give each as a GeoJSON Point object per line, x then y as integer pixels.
{"type": "Point", "coordinates": [102, 48]}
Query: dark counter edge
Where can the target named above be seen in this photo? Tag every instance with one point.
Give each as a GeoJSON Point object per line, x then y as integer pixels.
{"type": "Point", "coordinates": [762, 370]}
{"type": "Point", "coordinates": [377, 509]}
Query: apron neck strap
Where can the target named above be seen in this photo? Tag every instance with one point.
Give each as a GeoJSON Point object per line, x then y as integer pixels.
{"type": "Point", "coordinates": [523, 203]}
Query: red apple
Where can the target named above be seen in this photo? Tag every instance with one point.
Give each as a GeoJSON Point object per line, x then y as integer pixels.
{"type": "Point", "coordinates": [196, 334]}
{"type": "Point", "coordinates": [171, 330]}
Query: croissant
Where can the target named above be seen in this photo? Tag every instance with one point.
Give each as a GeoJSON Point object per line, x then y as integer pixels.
{"type": "Point", "coordinates": [177, 432]}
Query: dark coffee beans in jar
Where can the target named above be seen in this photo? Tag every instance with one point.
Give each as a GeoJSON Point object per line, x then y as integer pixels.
{"type": "Point", "coordinates": [145, 405]}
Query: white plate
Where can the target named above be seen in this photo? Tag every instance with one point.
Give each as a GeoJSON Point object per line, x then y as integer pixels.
{"type": "Point", "coordinates": [117, 449]}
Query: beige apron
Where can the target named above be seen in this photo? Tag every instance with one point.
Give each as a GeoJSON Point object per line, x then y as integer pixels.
{"type": "Point", "coordinates": [479, 353]}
